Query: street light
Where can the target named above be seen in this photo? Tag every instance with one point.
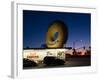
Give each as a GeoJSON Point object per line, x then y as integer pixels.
{"type": "Point", "coordinates": [74, 43]}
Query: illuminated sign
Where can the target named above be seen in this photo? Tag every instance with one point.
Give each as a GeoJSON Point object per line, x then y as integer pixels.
{"type": "Point", "coordinates": [33, 55]}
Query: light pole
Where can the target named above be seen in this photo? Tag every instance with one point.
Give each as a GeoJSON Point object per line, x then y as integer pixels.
{"type": "Point", "coordinates": [74, 43]}
{"type": "Point", "coordinates": [82, 43]}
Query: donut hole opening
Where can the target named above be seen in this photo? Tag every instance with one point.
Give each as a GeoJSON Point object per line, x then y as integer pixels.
{"type": "Point", "coordinates": [55, 36]}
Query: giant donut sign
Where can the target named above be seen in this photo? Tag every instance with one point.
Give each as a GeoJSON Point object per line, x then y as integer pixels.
{"type": "Point", "coordinates": [60, 28]}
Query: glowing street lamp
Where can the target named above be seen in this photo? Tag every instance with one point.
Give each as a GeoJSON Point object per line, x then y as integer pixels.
{"type": "Point", "coordinates": [74, 43]}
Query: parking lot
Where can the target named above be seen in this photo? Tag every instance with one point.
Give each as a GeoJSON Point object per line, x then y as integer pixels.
{"type": "Point", "coordinates": [75, 61]}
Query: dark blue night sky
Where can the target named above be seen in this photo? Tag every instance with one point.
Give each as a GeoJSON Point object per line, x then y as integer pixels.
{"type": "Point", "coordinates": [35, 26]}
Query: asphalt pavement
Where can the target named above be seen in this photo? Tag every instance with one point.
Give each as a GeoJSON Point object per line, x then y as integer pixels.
{"type": "Point", "coordinates": [70, 62]}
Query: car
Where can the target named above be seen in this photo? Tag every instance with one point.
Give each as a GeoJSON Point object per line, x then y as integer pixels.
{"type": "Point", "coordinates": [28, 63]}
{"type": "Point", "coordinates": [53, 61]}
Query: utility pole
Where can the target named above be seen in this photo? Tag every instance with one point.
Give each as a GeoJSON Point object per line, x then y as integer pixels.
{"type": "Point", "coordinates": [74, 45]}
